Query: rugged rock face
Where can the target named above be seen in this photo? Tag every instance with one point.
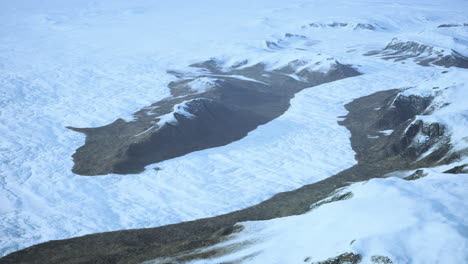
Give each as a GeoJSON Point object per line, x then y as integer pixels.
{"type": "Point", "coordinates": [397, 136]}
{"type": "Point", "coordinates": [420, 138]}
{"type": "Point", "coordinates": [206, 110]}
{"type": "Point", "coordinates": [351, 258]}
{"type": "Point", "coordinates": [345, 258]}
{"type": "Point", "coordinates": [425, 55]}
{"type": "Point", "coordinates": [381, 260]}
{"type": "Point", "coordinates": [401, 109]}
{"type": "Point", "coordinates": [179, 243]}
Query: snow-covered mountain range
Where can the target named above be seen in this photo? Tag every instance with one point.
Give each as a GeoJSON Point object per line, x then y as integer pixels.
{"type": "Point", "coordinates": [190, 110]}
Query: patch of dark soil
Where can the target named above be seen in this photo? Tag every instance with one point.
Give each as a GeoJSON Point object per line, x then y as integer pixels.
{"type": "Point", "coordinates": [215, 121]}
{"type": "Point", "coordinates": [179, 242]}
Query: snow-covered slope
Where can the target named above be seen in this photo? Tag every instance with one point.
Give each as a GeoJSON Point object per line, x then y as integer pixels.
{"type": "Point", "coordinates": [421, 221]}
{"type": "Point", "coordinates": [86, 63]}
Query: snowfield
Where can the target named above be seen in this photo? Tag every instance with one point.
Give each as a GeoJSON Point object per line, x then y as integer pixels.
{"type": "Point", "coordinates": [86, 63]}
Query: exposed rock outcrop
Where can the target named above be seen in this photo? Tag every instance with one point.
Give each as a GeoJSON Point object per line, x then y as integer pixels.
{"type": "Point", "coordinates": [452, 25]}
{"type": "Point", "coordinates": [458, 169]}
{"type": "Point", "coordinates": [345, 258]}
{"type": "Point", "coordinates": [425, 55]}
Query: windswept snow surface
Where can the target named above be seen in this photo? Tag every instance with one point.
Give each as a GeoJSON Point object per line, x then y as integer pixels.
{"type": "Point", "coordinates": [170, 117]}
{"type": "Point", "coordinates": [85, 63]}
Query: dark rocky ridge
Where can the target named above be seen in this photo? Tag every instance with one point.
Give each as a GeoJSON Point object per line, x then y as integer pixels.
{"type": "Point", "coordinates": [452, 25]}
{"type": "Point", "coordinates": [458, 169]}
{"type": "Point", "coordinates": [236, 103]}
{"type": "Point", "coordinates": [422, 54]}
{"type": "Point", "coordinates": [353, 26]}
{"type": "Point", "coordinates": [410, 138]}
{"type": "Point", "coordinates": [180, 242]}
